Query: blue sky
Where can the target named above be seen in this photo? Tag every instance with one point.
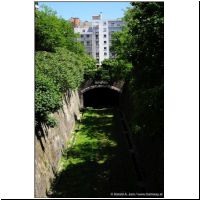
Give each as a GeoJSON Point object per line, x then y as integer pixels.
{"type": "Point", "coordinates": [85, 10]}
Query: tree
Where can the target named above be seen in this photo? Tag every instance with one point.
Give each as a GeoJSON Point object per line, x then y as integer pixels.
{"type": "Point", "coordinates": [145, 27]}
{"type": "Point", "coordinates": [89, 65]}
{"type": "Point", "coordinates": [143, 93]}
{"type": "Point", "coordinates": [121, 44]}
{"type": "Point", "coordinates": [141, 43]}
{"type": "Point", "coordinates": [114, 70]}
{"type": "Point", "coordinates": [52, 32]}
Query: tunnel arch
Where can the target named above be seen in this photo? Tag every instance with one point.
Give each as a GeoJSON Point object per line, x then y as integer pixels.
{"type": "Point", "coordinates": [101, 86]}
{"type": "Point", "coordinates": [100, 96]}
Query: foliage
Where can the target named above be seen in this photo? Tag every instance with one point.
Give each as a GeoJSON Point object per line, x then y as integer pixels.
{"type": "Point", "coordinates": [145, 110]}
{"type": "Point", "coordinates": [47, 97]}
{"type": "Point", "coordinates": [145, 26]}
{"type": "Point", "coordinates": [60, 62]}
{"type": "Point", "coordinates": [114, 70]}
{"type": "Point", "coordinates": [52, 32]}
{"type": "Point", "coordinates": [55, 74]}
{"type": "Point", "coordinates": [89, 64]}
{"type": "Point", "coordinates": [51, 121]}
{"type": "Point", "coordinates": [63, 67]}
{"type": "Point", "coordinates": [141, 42]}
{"type": "Point", "coordinates": [121, 44]}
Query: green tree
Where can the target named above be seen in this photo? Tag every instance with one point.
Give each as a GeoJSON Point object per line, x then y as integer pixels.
{"type": "Point", "coordinates": [52, 31]}
{"type": "Point", "coordinates": [145, 22]}
{"type": "Point", "coordinates": [89, 65]}
{"type": "Point", "coordinates": [143, 92]}
{"type": "Point", "coordinates": [114, 70]}
{"type": "Point", "coordinates": [141, 42]}
{"type": "Point", "coordinates": [121, 47]}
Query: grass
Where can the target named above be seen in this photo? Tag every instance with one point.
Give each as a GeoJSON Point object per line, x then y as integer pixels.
{"type": "Point", "coordinates": [89, 167]}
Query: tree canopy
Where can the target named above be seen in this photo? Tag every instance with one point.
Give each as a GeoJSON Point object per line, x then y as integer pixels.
{"type": "Point", "coordinates": [142, 43]}
{"type": "Point", "coordinates": [113, 70]}
{"type": "Point", "coordinates": [52, 31]}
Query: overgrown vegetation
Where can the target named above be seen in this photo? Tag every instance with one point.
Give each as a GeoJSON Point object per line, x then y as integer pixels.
{"type": "Point", "coordinates": [113, 70]}
{"type": "Point", "coordinates": [61, 63]}
{"type": "Point", "coordinates": [88, 167]}
{"type": "Point", "coordinates": [141, 43]}
{"type": "Point", "coordinates": [63, 67]}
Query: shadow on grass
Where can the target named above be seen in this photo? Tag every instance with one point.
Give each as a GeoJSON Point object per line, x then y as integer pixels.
{"type": "Point", "coordinates": [89, 166]}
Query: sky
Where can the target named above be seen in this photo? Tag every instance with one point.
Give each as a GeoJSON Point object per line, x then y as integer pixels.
{"type": "Point", "coordinates": [85, 10]}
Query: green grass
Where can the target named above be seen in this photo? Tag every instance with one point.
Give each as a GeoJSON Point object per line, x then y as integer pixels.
{"type": "Point", "coordinates": [89, 167]}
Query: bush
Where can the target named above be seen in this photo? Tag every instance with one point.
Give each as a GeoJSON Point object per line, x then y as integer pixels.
{"type": "Point", "coordinates": [63, 67]}
{"type": "Point", "coordinates": [47, 97]}
{"type": "Point", "coordinates": [51, 122]}
{"type": "Point", "coordinates": [56, 73]}
{"type": "Point", "coordinates": [148, 108]}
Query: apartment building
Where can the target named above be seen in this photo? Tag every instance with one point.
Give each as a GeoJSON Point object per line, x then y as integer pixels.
{"type": "Point", "coordinates": [96, 35]}
{"type": "Point", "coordinates": [113, 26]}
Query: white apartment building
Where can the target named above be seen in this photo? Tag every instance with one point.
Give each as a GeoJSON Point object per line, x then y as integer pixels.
{"type": "Point", "coordinates": [113, 26]}
{"type": "Point", "coordinates": [97, 35]}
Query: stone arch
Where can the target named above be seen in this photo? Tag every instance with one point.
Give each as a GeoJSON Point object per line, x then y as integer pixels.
{"type": "Point", "coordinates": [101, 86]}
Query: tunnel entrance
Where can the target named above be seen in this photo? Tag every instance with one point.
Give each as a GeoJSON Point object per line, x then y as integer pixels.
{"type": "Point", "coordinates": [101, 97]}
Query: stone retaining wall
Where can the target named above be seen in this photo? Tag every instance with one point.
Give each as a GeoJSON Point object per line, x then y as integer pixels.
{"type": "Point", "coordinates": [50, 144]}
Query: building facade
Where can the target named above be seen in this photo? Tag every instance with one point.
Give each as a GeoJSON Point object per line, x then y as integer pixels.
{"type": "Point", "coordinates": [96, 36]}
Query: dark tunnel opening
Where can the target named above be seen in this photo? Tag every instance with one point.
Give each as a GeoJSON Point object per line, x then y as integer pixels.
{"type": "Point", "coordinates": [101, 98]}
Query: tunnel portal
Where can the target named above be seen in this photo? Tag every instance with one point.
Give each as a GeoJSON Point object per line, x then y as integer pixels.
{"type": "Point", "coordinates": [101, 97]}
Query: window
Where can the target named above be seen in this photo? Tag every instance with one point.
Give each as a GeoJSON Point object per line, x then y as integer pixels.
{"type": "Point", "coordinates": [88, 36]}
{"type": "Point", "coordinates": [105, 54]}
{"type": "Point", "coordinates": [83, 30]}
{"type": "Point", "coordinates": [105, 48]}
{"type": "Point", "coordinates": [105, 42]}
{"type": "Point", "coordinates": [104, 30]}
{"type": "Point", "coordinates": [88, 43]}
{"type": "Point", "coordinates": [104, 35]}
{"type": "Point", "coordinates": [104, 23]}
{"type": "Point", "coordinates": [97, 36]}
{"type": "Point", "coordinates": [97, 43]}
{"type": "Point", "coordinates": [82, 36]}
{"type": "Point", "coordinates": [97, 54]}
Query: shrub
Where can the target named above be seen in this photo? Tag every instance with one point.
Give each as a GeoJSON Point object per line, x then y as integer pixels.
{"type": "Point", "coordinates": [47, 97]}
